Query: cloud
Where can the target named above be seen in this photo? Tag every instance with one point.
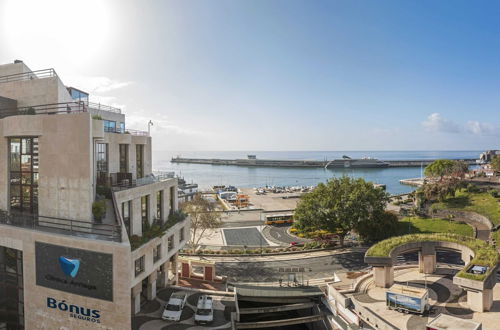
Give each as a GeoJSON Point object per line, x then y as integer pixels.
{"type": "Point", "coordinates": [436, 123]}
{"type": "Point", "coordinates": [478, 128]}
{"type": "Point", "coordinates": [161, 125]}
{"type": "Point", "coordinates": [92, 84]}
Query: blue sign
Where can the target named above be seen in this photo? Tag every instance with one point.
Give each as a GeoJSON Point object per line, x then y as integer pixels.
{"type": "Point", "coordinates": [69, 266]}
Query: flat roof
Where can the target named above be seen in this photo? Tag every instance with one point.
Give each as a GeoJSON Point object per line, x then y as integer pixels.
{"type": "Point", "coordinates": [444, 321]}
{"type": "Point", "coordinates": [408, 290]}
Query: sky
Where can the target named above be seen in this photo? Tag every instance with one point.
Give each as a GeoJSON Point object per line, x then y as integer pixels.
{"type": "Point", "coordinates": [276, 74]}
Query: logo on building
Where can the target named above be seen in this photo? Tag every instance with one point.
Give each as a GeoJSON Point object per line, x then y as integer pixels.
{"type": "Point", "coordinates": [69, 266]}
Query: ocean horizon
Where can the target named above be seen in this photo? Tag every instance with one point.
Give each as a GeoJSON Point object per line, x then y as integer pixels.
{"type": "Point", "coordinates": [208, 175]}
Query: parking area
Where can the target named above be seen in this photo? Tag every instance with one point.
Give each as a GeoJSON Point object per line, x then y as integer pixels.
{"type": "Point", "coordinates": [244, 236]}
{"type": "Point", "coordinates": [150, 316]}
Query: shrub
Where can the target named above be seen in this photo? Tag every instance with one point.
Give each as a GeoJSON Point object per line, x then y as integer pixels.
{"type": "Point", "coordinates": [99, 209]}
{"type": "Point", "coordinates": [493, 193]}
{"type": "Point", "coordinates": [97, 117]}
{"type": "Point", "coordinates": [472, 188]}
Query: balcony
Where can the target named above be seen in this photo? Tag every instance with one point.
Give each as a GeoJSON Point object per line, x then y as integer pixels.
{"type": "Point", "coordinates": [70, 227]}
{"type": "Point", "coordinates": [102, 107]}
{"type": "Point", "coordinates": [118, 130]}
{"type": "Point", "coordinates": [39, 74]}
{"type": "Point", "coordinates": [157, 229]}
{"type": "Point", "coordinates": [45, 109]}
{"type": "Point", "coordinates": [122, 181]}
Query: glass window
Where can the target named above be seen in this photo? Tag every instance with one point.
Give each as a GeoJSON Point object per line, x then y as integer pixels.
{"type": "Point", "coordinates": [123, 158]}
{"type": "Point", "coordinates": [145, 211]}
{"type": "Point", "coordinates": [109, 126]}
{"type": "Point", "coordinates": [172, 199]}
{"type": "Point", "coordinates": [139, 154]}
{"type": "Point", "coordinates": [126, 207]}
{"type": "Point", "coordinates": [157, 253]}
{"type": "Point", "coordinates": [23, 174]}
{"type": "Point", "coordinates": [122, 128]}
{"type": "Point", "coordinates": [11, 289]}
{"type": "Point", "coordinates": [170, 242]}
{"type": "Point", "coordinates": [159, 205]}
{"type": "Point", "coordinates": [139, 266]}
{"type": "Point", "coordinates": [102, 157]}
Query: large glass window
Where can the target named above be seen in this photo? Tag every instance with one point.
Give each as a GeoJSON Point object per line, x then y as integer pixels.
{"type": "Point", "coordinates": [122, 128]}
{"type": "Point", "coordinates": [145, 211]}
{"type": "Point", "coordinates": [23, 154]}
{"type": "Point", "coordinates": [159, 205]}
{"type": "Point", "coordinates": [11, 289]}
{"type": "Point", "coordinates": [102, 157]}
{"type": "Point", "coordinates": [170, 242]}
{"type": "Point", "coordinates": [123, 158]}
{"type": "Point", "coordinates": [126, 208]}
{"type": "Point", "coordinates": [139, 158]}
{"type": "Point", "coordinates": [109, 126]}
{"type": "Point", "coordinates": [157, 253]}
{"type": "Point", "coordinates": [139, 266]}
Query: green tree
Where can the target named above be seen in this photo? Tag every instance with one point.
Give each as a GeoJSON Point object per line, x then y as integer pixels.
{"type": "Point", "coordinates": [446, 168]}
{"type": "Point", "coordinates": [204, 216]}
{"type": "Point", "coordinates": [339, 206]}
{"type": "Point", "coordinates": [495, 163]}
{"type": "Point", "coordinates": [383, 225]}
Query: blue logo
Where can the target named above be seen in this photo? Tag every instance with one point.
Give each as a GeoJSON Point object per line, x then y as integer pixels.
{"type": "Point", "coordinates": [69, 266]}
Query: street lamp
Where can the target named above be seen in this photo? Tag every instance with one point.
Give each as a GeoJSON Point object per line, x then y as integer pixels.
{"type": "Point", "coordinates": [149, 127]}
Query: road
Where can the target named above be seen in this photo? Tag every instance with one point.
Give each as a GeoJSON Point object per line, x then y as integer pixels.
{"type": "Point", "coordinates": [269, 270]}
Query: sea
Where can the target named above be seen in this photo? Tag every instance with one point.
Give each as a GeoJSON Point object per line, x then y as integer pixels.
{"type": "Point", "coordinates": [250, 177]}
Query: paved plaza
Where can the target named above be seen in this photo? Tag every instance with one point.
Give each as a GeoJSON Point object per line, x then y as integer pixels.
{"type": "Point", "coordinates": [444, 297]}
{"type": "Point", "coordinates": [244, 236]}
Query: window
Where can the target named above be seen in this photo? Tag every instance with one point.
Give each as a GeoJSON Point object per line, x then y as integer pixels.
{"type": "Point", "coordinates": [102, 157]}
{"type": "Point", "coordinates": [145, 212]}
{"type": "Point", "coordinates": [172, 199]}
{"type": "Point", "coordinates": [139, 154]}
{"type": "Point", "coordinates": [157, 253]}
{"type": "Point", "coordinates": [122, 128]}
{"type": "Point", "coordinates": [11, 289]}
{"type": "Point", "coordinates": [123, 158]}
{"type": "Point", "coordinates": [170, 242]}
{"type": "Point", "coordinates": [109, 126]}
{"type": "Point", "coordinates": [139, 266]}
{"type": "Point", "coordinates": [181, 235]}
{"type": "Point", "coordinates": [23, 155]}
{"type": "Point", "coordinates": [159, 205]}
{"type": "Point", "coordinates": [126, 207]}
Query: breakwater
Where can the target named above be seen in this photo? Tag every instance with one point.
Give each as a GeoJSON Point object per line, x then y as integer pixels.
{"type": "Point", "coordinates": [337, 163]}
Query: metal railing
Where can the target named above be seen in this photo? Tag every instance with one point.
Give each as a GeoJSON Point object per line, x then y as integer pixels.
{"type": "Point", "coordinates": [127, 183]}
{"type": "Point", "coordinates": [45, 73]}
{"type": "Point", "coordinates": [136, 132]}
{"type": "Point", "coordinates": [45, 109]}
{"type": "Point", "coordinates": [102, 107]}
{"type": "Point", "coordinates": [63, 226]}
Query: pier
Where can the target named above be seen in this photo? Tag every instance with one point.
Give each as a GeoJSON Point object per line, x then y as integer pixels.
{"type": "Point", "coordinates": [338, 163]}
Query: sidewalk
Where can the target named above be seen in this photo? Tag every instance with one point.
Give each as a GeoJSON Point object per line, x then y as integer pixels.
{"type": "Point", "coordinates": [264, 257]}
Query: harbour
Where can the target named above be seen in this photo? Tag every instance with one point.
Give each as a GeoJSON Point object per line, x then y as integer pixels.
{"type": "Point", "coordinates": [207, 175]}
{"type": "Point", "coordinates": [345, 162]}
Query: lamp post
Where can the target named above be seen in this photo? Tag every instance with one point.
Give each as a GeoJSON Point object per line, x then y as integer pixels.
{"type": "Point", "coordinates": [149, 127]}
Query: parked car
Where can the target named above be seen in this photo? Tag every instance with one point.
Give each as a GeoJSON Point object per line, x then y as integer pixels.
{"type": "Point", "coordinates": [204, 310]}
{"type": "Point", "coordinates": [173, 309]}
{"type": "Point", "coordinates": [296, 244]}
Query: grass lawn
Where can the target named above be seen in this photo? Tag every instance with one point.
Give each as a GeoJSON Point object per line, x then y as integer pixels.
{"type": "Point", "coordinates": [485, 255]}
{"type": "Point", "coordinates": [482, 203]}
{"type": "Point", "coordinates": [417, 225]}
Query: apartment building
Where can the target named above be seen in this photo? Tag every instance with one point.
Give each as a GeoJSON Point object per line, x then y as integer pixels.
{"type": "Point", "coordinates": [87, 232]}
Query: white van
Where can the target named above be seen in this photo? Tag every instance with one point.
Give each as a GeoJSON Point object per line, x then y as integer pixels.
{"type": "Point", "coordinates": [204, 310]}
{"type": "Point", "coordinates": [173, 309]}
